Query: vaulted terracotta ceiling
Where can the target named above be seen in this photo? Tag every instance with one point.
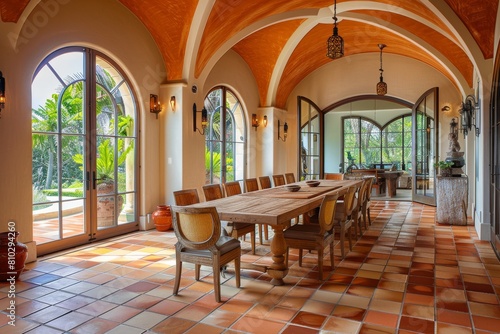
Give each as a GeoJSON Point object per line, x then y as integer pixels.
{"type": "Point", "coordinates": [285, 40]}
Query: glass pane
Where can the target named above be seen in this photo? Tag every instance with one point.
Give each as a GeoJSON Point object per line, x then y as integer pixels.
{"type": "Point", "coordinates": [126, 164]}
{"type": "Point", "coordinates": [72, 106]}
{"type": "Point", "coordinates": [72, 221]}
{"type": "Point", "coordinates": [69, 66]}
{"type": "Point", "coordinates": [105, 113]}
{"type": "Point", "coordinates": [128, 212]}
{"type": "Point", "coordinates": [73, 166]}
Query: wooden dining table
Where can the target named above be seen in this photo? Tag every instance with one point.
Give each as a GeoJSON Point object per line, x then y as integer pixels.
{"type": "Point", "coordinates": [275, 207]}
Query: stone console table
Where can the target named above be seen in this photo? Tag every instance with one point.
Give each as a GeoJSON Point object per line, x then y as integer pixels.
{"type": "Point", "coordinates": [452, 200]}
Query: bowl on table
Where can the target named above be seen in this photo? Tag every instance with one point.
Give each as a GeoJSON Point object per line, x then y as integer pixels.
{"type": "Point", "coordinates": [292, 187]}
{"type": "Point", "coordinates": [313, 183]}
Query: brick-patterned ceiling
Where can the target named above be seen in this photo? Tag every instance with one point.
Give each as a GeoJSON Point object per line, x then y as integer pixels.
{"type": "Point", "coordinates": [284, 40]}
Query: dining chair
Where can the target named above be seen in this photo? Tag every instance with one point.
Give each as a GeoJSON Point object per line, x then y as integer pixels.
{"type": "Point", "coordinates": [212, 191]}
{"type": "Point", "coordinates": [186, 197]}
{"type": "Point", "coordinates": [314, 236]}
{"type": "Point", "coordinates": [334, 176]}
{"type": "Point", "coordinates": [366, 206]}
{"type": "Point", "coordinates": [289, 178]}
{"type": "Point", "coordinates": [199, 241]}
{"type": "Point", "coordinates": [265, 182]}
{"type": "Point", "coordinates": [278, 180]}
{"type": "Point", "coordinates": [343, 218]}
{"type": "Point", "coordinates": [239, 229]}
{"type": "Point", "coordinates": [357, 211]}
{"type": "Point", "coordinates": [253, 185]}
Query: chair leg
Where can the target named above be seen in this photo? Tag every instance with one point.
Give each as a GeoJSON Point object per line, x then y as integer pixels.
{"type": "Point", "coordinates": [300, 257]}
{"type": "Point", "coordinates": [320, 262]}
{"type": "Point", "coordinates": [216, 273]}
{"type": "Point", "coordinates": [342, 239]}
{"type": "Point", "coordinates": [252, 240]}
{"type": "Point", "coordinates": [260, 227]}
{"type": "Point", "coordinates": [197, 268]}
{"type": "Point", "coordinates": [349, 231]}
{"type": "Point", "coordinates": [237, 268]}
{"type": "Point", "coordinates": [368, 214]}
{"type": "Point", "coordinates": [178, 272]}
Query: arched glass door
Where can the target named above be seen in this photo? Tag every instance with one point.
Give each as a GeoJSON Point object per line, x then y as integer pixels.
{"type": "Point", "coordinates": [224, 137]}
{"type": "Point", "coordinates": [84, 150]}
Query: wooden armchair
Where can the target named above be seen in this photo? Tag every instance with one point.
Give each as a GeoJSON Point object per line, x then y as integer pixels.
{"type": "Point", "coordinates": [334, 176]}
{"type": "Point", "coordinates": [251, 185]}
{"type": "Point", "coordinates": [199, 241]}
{"type": "Point", "coordinates": [314, 236]}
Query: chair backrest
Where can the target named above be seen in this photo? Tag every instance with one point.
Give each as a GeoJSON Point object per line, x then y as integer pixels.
{"type": "Point", "coordinates": [327, 213]}
{"type": "Point", "coordinates": [265, 182]}
{"type": "Point", "coordinates": [365, 189]}
{"type": "Point", "coordinates": [278, 180]}
{"type": "Point", "coordinates": [196, 228]}
{"type": "Point", "coordinates": [361, 195]}
{"type": "Point", "coordinates": [232, 188]}
{"type": "Point", "coordinates": [212, 191]}
{"type": "Point", "coordinates": [349, 200]}
{"type": "Point", "coordinates": [369, 191]}
{"type": "Point", "coordinates": [289, 178]}
{"type": "Point", "coordinates": [251, 185]}
{"type": "Point", "coordinates": [334, 176]}
{"type": "Point", "coordinates": [186, 197]}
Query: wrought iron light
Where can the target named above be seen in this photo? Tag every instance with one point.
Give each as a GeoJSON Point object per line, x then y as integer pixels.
{"type": "Point", "coordinates": [381, 85]}
{"type": "Point", "coordinates": [154, 105]}
{"type": "Point", "coordinates": [469, 116]}
{"type": "Point", "coordinates": [285, 131]}
{"type": "Point", "coordinates": [204, 119]}
{"type": "Point", "coordinates": [335, 43]}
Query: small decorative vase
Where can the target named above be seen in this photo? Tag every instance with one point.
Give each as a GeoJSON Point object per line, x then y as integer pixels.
{"type": "Point", "coordinates": [162, 218]}
{"type": "Point", "coordinates": [13, 255]}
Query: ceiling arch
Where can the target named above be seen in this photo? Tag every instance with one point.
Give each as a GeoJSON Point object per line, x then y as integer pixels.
{"type": "Point", "coordinates": [283, 41]}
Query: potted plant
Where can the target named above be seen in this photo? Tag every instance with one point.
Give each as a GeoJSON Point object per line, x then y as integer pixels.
{"type": "Point", "coordinates": [444, 167]}
{"type": "Point", "coordinates": [105, 185]}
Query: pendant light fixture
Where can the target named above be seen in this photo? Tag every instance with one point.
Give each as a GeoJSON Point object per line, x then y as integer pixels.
{"type": "Point", "coordinates": [335, 43]}
{"type": "Point", "coordinates": [381, 85]}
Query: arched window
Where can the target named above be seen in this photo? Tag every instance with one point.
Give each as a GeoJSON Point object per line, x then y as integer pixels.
{"type": "Point", "coordinates": [369, 145]}
{"type": "Point", "coordinates": [84, 135]}
{"type": "Point", "coordinates": [225, 137]}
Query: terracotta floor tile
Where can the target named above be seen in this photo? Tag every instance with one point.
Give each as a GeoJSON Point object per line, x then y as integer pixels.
{"type": "Point", "coordinates": [405, 274]}
{"type": "Point", "coordinates": [381, 318]}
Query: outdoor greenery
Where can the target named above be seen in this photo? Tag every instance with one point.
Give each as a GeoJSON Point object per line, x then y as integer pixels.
{"type": "Point", "coordinates": [58, 130]}
{"type": "Point", "coordinates": [368, 144]}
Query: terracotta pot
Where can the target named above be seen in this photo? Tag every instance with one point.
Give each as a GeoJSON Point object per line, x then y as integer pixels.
{"type": "Point", "coordinates": [162, 218]}
{"type": "Point", "coordinates": [13, 255]}
{"type": "Point", "coordinates": [106, 206]}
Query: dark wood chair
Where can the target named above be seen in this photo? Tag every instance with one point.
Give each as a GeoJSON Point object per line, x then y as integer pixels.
{"type": "Point", "coordinates": [357, 211]}
{"type": "Point", "coordinates": [289, 178]}
{"type": "Point", "coordinates": [314, 236]}
{"type": "Point", "coordinates": [251, 185]}
{"type": "Point", "coordinates": [239, 229]}
{"type": "Point", "coordinates": [199, 241]}
{"type": "Point", "coordinates": [334, 176]}
{"type": "Point", "coordinates": [278, 180]}
{"type": "Point", "coordinates": [343, 218]}
{"type": "Point", "coordinates": [186, 197]}
{"type": "Point", "coordinates": [265, 182]}
{"type": "Point", "coordinates": [212, 191]}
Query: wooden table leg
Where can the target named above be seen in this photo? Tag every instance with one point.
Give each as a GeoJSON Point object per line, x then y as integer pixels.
{"type": "Point", "coordinates": [278, 270]}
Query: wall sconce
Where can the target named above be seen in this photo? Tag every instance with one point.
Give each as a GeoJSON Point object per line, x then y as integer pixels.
{"type": "Point", "coordinates": [204, 119]}
{"type": "Point", "coordinates": [172, 102]}
{"type": "Point", "coordinates": [285, 131]}
{"type": "Point", "coordinates": [2, 92]}
{"type": "Point", "coordinates": [469, 115]}
{"type": "Point", "coordinates": [265, 120]}
{"type": "Point", "coordinates": [154, 105]}
{"type": "Point", "coordinates": [255, 121]}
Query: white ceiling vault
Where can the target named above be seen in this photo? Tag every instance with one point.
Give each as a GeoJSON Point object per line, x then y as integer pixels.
{"type": "Point", "coordinates": [283, 41]}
